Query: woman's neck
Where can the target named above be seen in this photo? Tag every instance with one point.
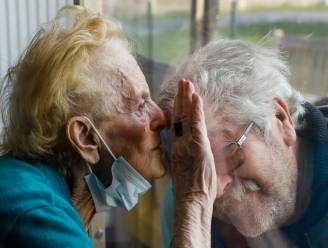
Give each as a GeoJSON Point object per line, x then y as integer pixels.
{"type": "Point", "coordinates": [80, 195]}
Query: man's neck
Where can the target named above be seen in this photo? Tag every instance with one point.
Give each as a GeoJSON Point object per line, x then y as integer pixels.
{"type": "Point", "coordinates": [304, 179]}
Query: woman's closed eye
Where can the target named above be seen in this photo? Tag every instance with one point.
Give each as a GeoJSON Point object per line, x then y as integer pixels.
{"type": "Point", "coordinates": [143, 108]}
{"type": "Point", "coordinates": [145, 104]}
{"type": "Point", "coordinates": [142, 105]}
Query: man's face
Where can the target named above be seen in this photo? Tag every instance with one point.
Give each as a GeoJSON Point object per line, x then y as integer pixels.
{"type": "Point", "coordinates": [135, 122]}
{"type": "Point", "coordinates": [257, 190]}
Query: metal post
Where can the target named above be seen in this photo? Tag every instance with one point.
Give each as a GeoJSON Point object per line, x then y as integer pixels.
{"type": "Point", "coordinates": [197, 14]}
{"type": "Point", "coordinates": [150, 42]}
{"type": "Point", "coordinates": [150, 29]}
{"type": "Point", "coordinates": [233, 19]}
{"type": "Point", "coordinates": [211, 8]}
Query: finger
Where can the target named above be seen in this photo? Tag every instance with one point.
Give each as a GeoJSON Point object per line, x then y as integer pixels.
{"type": "Point", "coordinates": [198, 127]}
{"type": "Point", "coordinates": [174, 111]}
{"type": "Point", "coordinates": [178, 102]}
{"type": "Point", "coordinates": [177, 120]}
{"type": "Point", "coordinates": [188, 90]}
{"type": "Point", "coordinates": [174, 120]}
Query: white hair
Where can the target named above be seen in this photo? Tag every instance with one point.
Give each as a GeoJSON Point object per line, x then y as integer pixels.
{"type": "Point", "coordinates": [239, 80]}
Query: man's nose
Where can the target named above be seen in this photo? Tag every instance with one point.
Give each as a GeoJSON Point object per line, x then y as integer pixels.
{"type": "Point", "coordinates": [223, 182]}
{"type": "Point", "coordinates": [158, 121]}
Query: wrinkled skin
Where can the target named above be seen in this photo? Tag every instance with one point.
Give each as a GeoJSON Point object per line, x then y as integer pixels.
{"type": "Point", "coordinates": [193, 171]}
{"type": "Point", "coordinates": [131, 129]}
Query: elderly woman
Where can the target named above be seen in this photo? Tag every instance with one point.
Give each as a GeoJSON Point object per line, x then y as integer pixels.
{"type": "Point", "coordinates": [81, 134]}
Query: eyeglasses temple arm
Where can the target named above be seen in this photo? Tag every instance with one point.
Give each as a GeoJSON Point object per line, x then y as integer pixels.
{"type": "Point", "coordinates": [242, 138]}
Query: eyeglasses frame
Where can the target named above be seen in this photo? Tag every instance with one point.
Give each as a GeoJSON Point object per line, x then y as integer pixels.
{"type": "Point", "coordinates": [242, 137]}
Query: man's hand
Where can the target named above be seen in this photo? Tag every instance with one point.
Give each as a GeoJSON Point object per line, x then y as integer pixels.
{"type": "Point", "coordinates": [193, 170]}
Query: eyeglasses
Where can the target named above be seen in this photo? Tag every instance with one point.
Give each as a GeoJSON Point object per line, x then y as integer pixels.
{"type": "Point", "coordinates": [232, 153]}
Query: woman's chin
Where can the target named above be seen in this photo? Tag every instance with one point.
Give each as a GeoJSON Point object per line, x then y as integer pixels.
{"type": "Point", "coordinates": [158, 168]}
{"type": "Point", "coordinates": [158, 171]}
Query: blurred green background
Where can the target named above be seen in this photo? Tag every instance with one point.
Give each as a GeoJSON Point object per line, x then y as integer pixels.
{"type": "Point", "coordinates": [161, 31]}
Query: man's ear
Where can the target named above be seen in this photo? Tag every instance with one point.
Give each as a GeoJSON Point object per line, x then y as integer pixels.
{"type": "Point", "coordinates": [83, 139]}
{"type": "Point", "coordinates": [284, 122]}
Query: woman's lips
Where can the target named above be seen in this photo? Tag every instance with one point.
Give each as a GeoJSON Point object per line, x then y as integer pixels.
{"type": "Point", "coordinates": [158, 146]}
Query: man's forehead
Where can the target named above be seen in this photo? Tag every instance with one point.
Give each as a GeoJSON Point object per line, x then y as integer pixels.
{"type": "Point", "coordinates": [220, 130]}
{"type": "Point", "coordinates": [219, 125]}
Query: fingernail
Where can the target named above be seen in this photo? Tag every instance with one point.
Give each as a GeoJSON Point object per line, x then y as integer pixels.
{"type": "Point", "coordinates": [180, 85]}
{"type": "Point", "coordinates": [186, 84]}
{"type": "Point", "coordinates": [194, 97]}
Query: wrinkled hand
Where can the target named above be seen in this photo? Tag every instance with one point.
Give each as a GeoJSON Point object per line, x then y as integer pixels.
{"type": "Point", "coordinates": [193, 169]}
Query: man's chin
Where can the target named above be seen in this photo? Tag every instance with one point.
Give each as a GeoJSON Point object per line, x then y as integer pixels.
{"type": "Point", "coordinates": [220, 216]}
{"type": "Point", "coordinates": [250, 231]}
{"type": "Point", "coordinates": [249, 226]}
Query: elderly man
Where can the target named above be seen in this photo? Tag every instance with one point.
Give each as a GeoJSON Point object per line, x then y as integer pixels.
{"type": "Point", "coordinates": [270, 146]}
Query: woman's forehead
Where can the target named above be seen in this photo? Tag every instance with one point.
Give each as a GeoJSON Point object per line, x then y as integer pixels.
{"type": "Point", "coordinates": [132, 82]}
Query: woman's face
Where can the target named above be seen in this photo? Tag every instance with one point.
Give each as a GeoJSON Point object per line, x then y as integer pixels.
{"type": "Point", "coordinates": [134, 125]}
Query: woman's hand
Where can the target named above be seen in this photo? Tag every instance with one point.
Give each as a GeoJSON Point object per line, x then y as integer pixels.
{"type": "Point", "coordinates": [193, 170]}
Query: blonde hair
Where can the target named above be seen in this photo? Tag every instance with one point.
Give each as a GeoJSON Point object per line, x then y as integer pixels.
{"type": "Point", "coordinates": [52, 82]}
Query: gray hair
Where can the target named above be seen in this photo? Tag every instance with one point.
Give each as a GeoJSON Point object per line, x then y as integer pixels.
{"type": "Point", "coordinates": [239, 80]}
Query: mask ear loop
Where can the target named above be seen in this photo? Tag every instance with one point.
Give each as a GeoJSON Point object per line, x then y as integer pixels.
{"type": "Point", "coordinates": [101, 138]}
{"type": "Point", "coordinates": [89, 167]}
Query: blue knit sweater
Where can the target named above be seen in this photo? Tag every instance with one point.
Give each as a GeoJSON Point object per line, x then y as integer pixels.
{"type": "Point", "coordinates": [311, 230]}
{"type": "Point", "coordinates": [35, 207]}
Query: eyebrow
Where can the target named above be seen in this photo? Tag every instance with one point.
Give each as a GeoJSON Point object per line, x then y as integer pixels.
{"type": "Point", "coordinates": [227, 134]}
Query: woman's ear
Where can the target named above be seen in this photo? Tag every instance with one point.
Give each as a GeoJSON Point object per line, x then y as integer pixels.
{"type": "Point", "coordinates": [285, 122]}
{"type": "Point", "coordinates": [83, 139]}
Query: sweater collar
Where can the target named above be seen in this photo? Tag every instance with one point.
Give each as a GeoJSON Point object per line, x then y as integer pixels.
{"type": "Point", "coordinates": [315, 133]}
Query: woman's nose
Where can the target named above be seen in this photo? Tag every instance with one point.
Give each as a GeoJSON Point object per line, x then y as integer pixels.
{"type": "Point", "coordinates": [158, 120]}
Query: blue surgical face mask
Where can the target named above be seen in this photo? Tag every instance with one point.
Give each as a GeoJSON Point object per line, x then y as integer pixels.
{"type": "Point", "coordinates": [126, 188]}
